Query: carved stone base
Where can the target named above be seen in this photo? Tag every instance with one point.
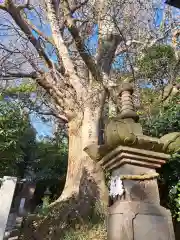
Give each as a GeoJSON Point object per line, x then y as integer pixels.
{"type": "Point", "coordinates": [139, 221]}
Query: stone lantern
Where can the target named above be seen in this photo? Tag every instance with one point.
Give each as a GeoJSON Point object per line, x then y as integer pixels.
{"type": "Point", "coordinates": [132, 159]}
{"type": "Point", "coordinates": [47, 193]}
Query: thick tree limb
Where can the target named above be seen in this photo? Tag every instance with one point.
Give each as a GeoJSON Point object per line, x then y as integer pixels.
{"type": "Point", "coordinates": [107, 51]}
{"type": "Point", "coordinates": [89, 61]}
{"type": "Point", "coordinates": [109, 38]}
{"type": "Point", "coordinates": [50, 40]}
{"type": "Point", "coordinates": [62, 50]}
{"type": "Point", "coordinates": [65, 101]}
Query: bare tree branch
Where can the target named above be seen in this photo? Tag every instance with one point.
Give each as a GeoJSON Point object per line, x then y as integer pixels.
{"type": "Point", "coordinates": [61, 97]}
{"type": "Point", "coordinates": [26, 5]}
{"type": "Point", "coordinates": [54, 114]}
{"type": "Point", "coordinates": [16, 15]}
{"type": "Point", "coordinates": [11, 75]}
{"type": "Point", "coordinates": [77, 6]}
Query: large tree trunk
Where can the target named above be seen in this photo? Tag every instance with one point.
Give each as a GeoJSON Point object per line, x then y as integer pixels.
{"type": "Point", "coordinates": [85, 177]}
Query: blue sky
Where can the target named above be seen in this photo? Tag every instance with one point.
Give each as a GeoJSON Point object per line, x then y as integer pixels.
{"type": "Point", "coordinates": [42, 129]}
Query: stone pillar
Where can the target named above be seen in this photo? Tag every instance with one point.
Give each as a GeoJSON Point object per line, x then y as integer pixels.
{"type": "Point", "coordinates": [132, 159]}
{"type": "Point", "coordinates": [6, 196]}
{"type": "Point", "coordinates": [137, 213]}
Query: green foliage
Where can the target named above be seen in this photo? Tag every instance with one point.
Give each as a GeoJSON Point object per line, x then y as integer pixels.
{"type": "Point", "coordinates": [149, 103]}
{"type": "Point", "coordinates": [157, 62]}
{"type": "Point", "coordinates": [21, 93]}
{"type": "Point", "coordinates": [21, 152]}
{"type": "Point", "coordinates": [22, 88]}
{"type": "Point", "coordinates": [13, 124]}
{"type": "Point", "coordinates": [17, 136]}
{"type": "Point", "coordinates": [51, 160]}
{"type": "Point", "coordinates": [175, 200]}
{"type": "Point", "coordinates": [167, 120]}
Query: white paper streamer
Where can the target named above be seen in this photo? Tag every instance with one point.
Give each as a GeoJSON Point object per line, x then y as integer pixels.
{"type": "Point", "coordinates": [116, 187]}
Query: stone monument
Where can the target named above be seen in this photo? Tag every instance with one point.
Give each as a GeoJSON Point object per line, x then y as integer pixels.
{"type": "Point", "coordinates": [6, 196]}
{"type": "Point", "coordinates": [132, 159]}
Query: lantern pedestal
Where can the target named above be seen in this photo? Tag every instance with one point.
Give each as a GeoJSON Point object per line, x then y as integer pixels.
{"type": "Point", "coordinates": [131, 220]}
{"type": "Point", "coordinates": [137, 213]}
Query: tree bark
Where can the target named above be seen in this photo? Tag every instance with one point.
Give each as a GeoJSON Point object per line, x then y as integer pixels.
{"type": "Point", "coordinates": [85, 177]}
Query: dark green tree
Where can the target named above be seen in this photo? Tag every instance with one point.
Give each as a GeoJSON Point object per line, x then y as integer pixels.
{"type": "Point", "coordinates": [167, 120]}
{"type": "Point", "coordinates": [13, 124]}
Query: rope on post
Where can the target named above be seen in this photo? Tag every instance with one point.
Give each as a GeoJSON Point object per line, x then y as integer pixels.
{"type": "Point", "coordinates": [139, 177]}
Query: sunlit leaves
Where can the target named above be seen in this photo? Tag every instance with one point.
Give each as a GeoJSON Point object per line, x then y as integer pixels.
{"type": "Point", "coordinates": [165, 121]}
{"type": "Point", "coordinates": [157, 63]}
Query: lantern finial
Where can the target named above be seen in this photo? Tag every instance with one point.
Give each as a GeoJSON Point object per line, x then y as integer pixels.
{"type": "Point", "coordinates": [127, 106]}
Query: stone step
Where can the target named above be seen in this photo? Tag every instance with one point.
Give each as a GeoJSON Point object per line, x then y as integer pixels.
{"type": "Point", "coordinates": [19, 222]}
{"type": "Point", "coordinates": [11, 234]}
{"type": "Point", "coordinates": [13, 221]}
{"type": "Point", "coordinates": [13, 238]}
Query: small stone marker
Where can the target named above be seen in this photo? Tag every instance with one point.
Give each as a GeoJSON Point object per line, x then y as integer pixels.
{"type": "Point", "coordinates": [6, 196]}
